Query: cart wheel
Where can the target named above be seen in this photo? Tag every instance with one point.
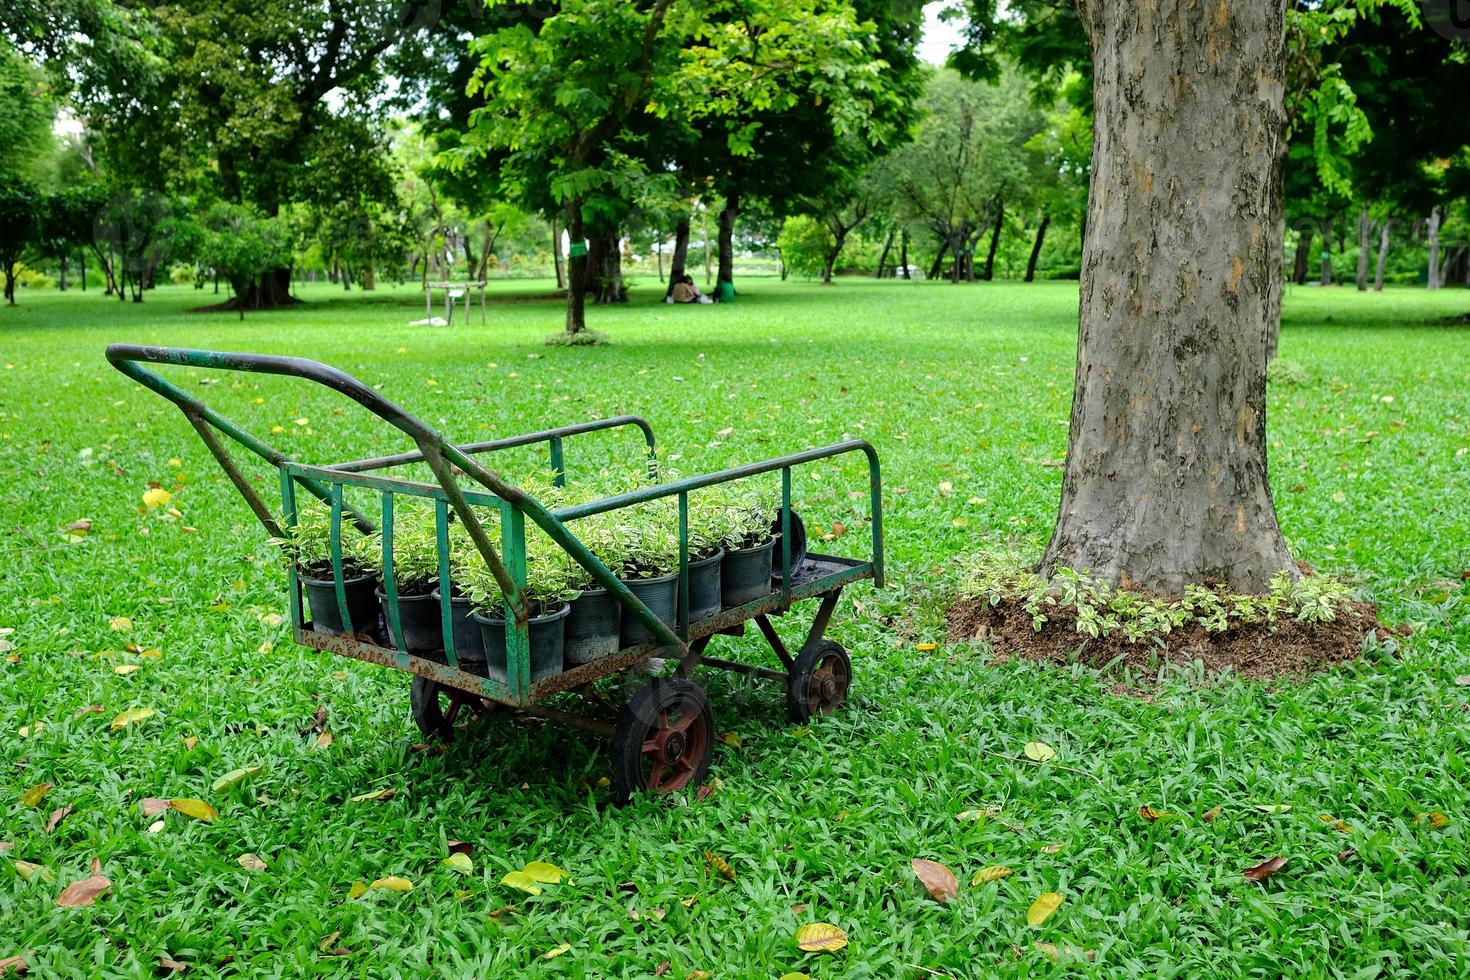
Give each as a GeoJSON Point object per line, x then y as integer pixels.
{"type": "Point", "coordinates": [436, 708]}
{"type": "Point", "coordinates": [663, 740]}
{"type": "Point", "coordinates": [819, 679]}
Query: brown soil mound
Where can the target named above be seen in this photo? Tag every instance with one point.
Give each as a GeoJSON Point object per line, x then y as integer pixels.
{"type": "Point", "coordinates": [1286, 648]}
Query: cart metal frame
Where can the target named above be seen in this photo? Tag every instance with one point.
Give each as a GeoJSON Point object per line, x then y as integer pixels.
{"type": "Point", "coordinates": [818, 576]}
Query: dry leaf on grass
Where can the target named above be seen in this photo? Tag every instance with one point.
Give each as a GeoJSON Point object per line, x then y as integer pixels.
{"type": "Point", "coordinates": [1265, 869]}
{"type": "Point", "coordinates": [83, 892]}
{"type": "Point", "coordinates": [1040, 752]}
{"type": "Point", "coordinates": [152, 806]}
{"type": "Point", "coordinates": [34, 872]}
{"type": "Point", "coordinates": [386, 793]}
{"type": "Point", "coordinates": [392, 883]}
{"type": "Point", "coordinates": [1211, 813]}
{"type": "Point", "coordinates": [462, 863]}
{"type": "Point", "coordinates": [556, 951]}
{"type": "Point", "coordinates": [820, 937]}
{"type": "Point", "coordinates": [937, 879]}
{"type": "Point", "coordinates": [1435, 819]}
{"type": "Point", "coordinates": [993, 873]}
{"type": "Point", "coordinates": [197, 809]}
{"type": "Point", "coordinates": [1057, 953]}
{"type": "Point", "coordinates": [719, 864]}
{"type": "Point", "coordinates": [250, 862]}
{"type": "Point", "coordinates": [57, 815]}
{"type": "Point", "coordinates": [1046, 903]}
{"type": "Point", "coordinates": [32, 797]}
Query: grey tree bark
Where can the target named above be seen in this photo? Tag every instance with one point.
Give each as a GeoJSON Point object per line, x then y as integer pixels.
{"type": "Point", "coordinates": [680, 255]}
{"type": "Point", "coordinates": [1382, 255]}
{"type": "Point", "coordinates": [1434, 221]}
{"type": "Point", "coordinates": [1166, 482]}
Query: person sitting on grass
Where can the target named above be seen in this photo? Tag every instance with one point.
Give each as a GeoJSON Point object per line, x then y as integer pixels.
{"type": "Point", "coordinates": [685, 291]}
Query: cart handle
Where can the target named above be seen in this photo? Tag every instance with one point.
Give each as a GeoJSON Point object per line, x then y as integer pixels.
{"type": "Point", "coordinates": [433, 448]}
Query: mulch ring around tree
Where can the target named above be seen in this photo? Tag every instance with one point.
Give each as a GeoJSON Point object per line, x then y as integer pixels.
{"type": "Point", "coordinates": [1287, 648]}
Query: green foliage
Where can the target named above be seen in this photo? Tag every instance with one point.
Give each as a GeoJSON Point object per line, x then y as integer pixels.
{"type": "Point", "coordinates": [804, 244]}
{"type": "Point", "coordinates": [240, 244]}
{"type": "Point", "coordinates": [26, 111]}
{"type": "Point", "coordinates": [1102, 610]}
{"type": "Point", "coordinates": [308, 545]}
{"type": "Point", "coordinates": [551, 575]}
{"type": "Point", "coordinates": [415, 546]}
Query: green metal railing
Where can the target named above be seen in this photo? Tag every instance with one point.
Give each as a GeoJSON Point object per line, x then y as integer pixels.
{"type": "Point", "coordinates": [513, 506]}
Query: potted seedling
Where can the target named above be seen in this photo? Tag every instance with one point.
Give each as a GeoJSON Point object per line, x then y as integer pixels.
{"type": "Point", "coordinates": [416, 577]}
{"type": "Point", "coordinates": [465, 562]}
{"type": "Point", "coordinates": [643, 542]}
{"type": "Point", "coordinates": [710, 523]}
{"type": "Point", "coordinates": [594, 625]}
{"type": "Point", "coordinates": [750, 539]}
{"type": "Point", "coordinates": [308, 546]}
{"type": "Point", "coordinates": [549, 586]}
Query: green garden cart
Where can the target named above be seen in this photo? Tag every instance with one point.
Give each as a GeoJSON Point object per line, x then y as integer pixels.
{"type": "Point", "coordinates": [662, 741]}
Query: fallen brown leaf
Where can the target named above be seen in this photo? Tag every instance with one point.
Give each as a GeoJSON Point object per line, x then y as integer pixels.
{"type": "Point", "coordinates": [83, 892]}
{"type": "Point", "coordinates": [172, 965]}
{"type": "Point", "coordinates": [1265, 869]}
{"type": "Point", "coordinates": [662, 969]}
{"type": "Point", "coordinates": [1211, 813]}
{"type": "Point", "coordinates": [719, 864]}
{"type": "Point", "coordinates": [937, 879]}
{"type": "Point", "coordinates": [14, 964]}
{"type": "Point", "coordinates": [1344, 855]}
{"type": "Point", "coordinates": [459, 847]}
{"type": "Point", "coordinates": [57, 815]}
{"type": "Point", "coordinates": [152, 806]}
{"type": "Point", "coordinates": [703, 793]}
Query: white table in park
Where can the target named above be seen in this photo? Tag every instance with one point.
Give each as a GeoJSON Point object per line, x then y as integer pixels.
{"type": "Point", "coordinates": [454, 291]}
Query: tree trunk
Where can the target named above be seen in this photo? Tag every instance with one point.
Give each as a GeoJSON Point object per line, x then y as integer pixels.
{"type": "Point", "coordinates": [82, 264]}
{"type": "Point", "coordinates": [903, 253]}
{"type": "Point", "coordinates": [1365, 229]}
{"type": "Point", "coordinates": [1165, 481]}
{"type": "Point", "coordinates": [265, 291]}
{"type": "Point", "coordinates": [9, 283]}
{"type": "Point", "coordinates": [61, 282]}
{"type": "Point", "coordinates": [1276, 242]}
{"type": "Point", "coordinates": [1382, 256]}
{"type": "Point", "coordinates": [658, 256]}
{"type": "Point", "coordinates": [1036, 248]}
{"type": "Point", "coordinates": [369, 277]}
{"type": "Point", "coordinates": [1326, 279]}
{"type": "Point", "coordinates": [680, 256]}
{"type": "Point", "coordinates": [561, 282]}
{"type": "Point", "coordinates": [727, 238]}
{"type": "Point", "coordinates": [1000, 217]}
{"type": "Point", "coordinates": [1303, 257]}
{"type": "Point", "coordinates": [883, 255]}
{"type": "Point", "coordinates": [576, 268]}
{"type": "Point", "coordinates": [938, 265]}
{"type": "Point", "coordinates": [605, 268]}
{"type": "Point", "coordinates": [837, 242]}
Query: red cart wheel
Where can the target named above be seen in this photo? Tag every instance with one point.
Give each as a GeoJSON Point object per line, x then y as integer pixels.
{"type": "Point", "coordinates": [438, 709]}
{"type": "Point", "coordinates": [819, 680]}
{"type": "Point", "coordinates": [663, 740]}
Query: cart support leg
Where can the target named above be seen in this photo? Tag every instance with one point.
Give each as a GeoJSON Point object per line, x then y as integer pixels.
{"type": "Point", "coordinates": [693, 658]}
{"type": "Point", "coordinates": [774, 640]}
{"type": "Point", "coordinates": [824, 616]}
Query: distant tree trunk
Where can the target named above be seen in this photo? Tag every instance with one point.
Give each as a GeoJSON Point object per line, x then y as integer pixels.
{"type": "Point", "coordinates": [727, 238]}
{"type": "Point", "coordinates": [1000, 217]}
{"type": "Point", "coordinates": [838, 240]}
{"type": "Point", "coordinates": [1303, 257]}
{"type": "Point", "coordinates": [883, 255]}
{"type": "Point", "coordinates": [938, 265]}
{"type": "Point", "coordinates": [9, 282]}
{"type": "Point", "coordinates": [369, 277]}
{"type": "Point", "coordinates": [1434, 221]}
{"type": "Point", "coordinates": [605, 268]}
{"type": "Point", "coordinates": [658, 253]}
{"type": "Point", "coordinates": [1365, 229]}
{"type": "Point", "coordinates": [903, 253]}
{"type": "Point", "coordinates": [82, 266]}
{"type": "Point", "coordinates": [1326, 279]}
{"type": "Point", "coordinates": [265, 291]}
{"type": "Point", "coordinates": [576, 268]}
{"type": "Point", "coordinates": [680, 256]}
{"type": "Point", "coordinates": [61, 282]}
{"type": "Point", "coordinates": [1036, 248]}
{"type": "Point", "coordinates": [1382, 255]}
{"type": "Point", "coordinates": [556, 260]}
{"type": "Point", "coordinates": [1166, 482]}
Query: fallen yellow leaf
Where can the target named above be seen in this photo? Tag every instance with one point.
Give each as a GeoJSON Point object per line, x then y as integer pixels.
{"type": "Point", "coordinates": [378, 794]}
{"type": "Point", "coordinates": [156, 497]}
{"type": "Point", "coordinates": [120, 623]}
{"type": "Point", "coordinates": [32, 797]}
{"type": "Point", "coordinates": [820, 937]}
{"type": "Point", "coordinates": [126, 668]}
{"type": "Point", "coordinates": [926, 647]}
{"type": "Point", "coordinates": [1040, 752]}
{"type": "Point", "coordinates": [556, 951]}
{"type": "Point", "coordinates": [34, 872]}
{"type": "Point", "coordinates": [460, 862]}
{"type": "Point", "coordinates": [250, 862]}
{"type": "Point", "coordinates": [1046, 903]}
{"type": "Point", "coordinates": [393, 883]}
{"type": "Point", "coordinates": [358, 889]}
{"type": "Point", "coordinates": [541, 871]}
{"type": "Point", "coordinates": [993, 873]}
{"type": "Point", "coordinates": [197, 809]}
{"type": "Point", "coordinates": [131, 716]}
{"type": "Point", "coordinates": [522, 881]}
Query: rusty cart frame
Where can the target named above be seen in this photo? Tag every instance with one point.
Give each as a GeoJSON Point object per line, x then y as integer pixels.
{"type": "Point", "coordinates": [662, 740]}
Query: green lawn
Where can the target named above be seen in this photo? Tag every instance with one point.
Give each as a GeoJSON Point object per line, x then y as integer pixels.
{"type": "Point", "coordinates": [965, 392]}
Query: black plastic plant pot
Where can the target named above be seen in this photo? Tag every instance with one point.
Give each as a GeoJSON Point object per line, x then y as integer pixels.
{"type": "Point", "coordinates": [546, 636]}
{"type": "Point", "coordinates": [418, 616]}
{"type": "Point", "coordinates": [746, 574]}
{"type": "Point", "coordinates": [469, 647]}
{"type": "Point", "coordinates": [660, 595]}
{"type": "Point", "coordinates": [798, 545]}
{"type": "Point", "coordinates": [704, 586]}
{"type": "Point", "coordinates": [593, 627]}
{"type": "Point", "coordinates": [362, 604]}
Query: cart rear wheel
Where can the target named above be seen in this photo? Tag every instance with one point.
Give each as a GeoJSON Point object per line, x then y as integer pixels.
{"type": "Point", "coordinates": [438, 709]}
{"type": "Point", "coordinates": [819, 680]}
{"type": "Point", "coordinates": [663, 740]}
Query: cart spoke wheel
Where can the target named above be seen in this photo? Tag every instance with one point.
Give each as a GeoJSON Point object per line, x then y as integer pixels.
{"type": "Point", "coordinates": [819, 680]}
{"type": "Point", "coordinates": [663, 740]}
{"type": "Point", "coordinates": [443, 712]}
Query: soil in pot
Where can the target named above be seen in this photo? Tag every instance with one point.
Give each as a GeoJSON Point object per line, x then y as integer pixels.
{"type": "Point", "coordinates": [469, 647]}
{"type": "Point", "coordinates": [704, 586]}
{"type": "Point", "coordinates": [418, 615]}
{"type": "Point", "coordinates": [326, 615]}
{"type": "Point", "coordinates": [593, 627]}
{"type": "Point", "coordinates": [746, 575]}
{"type": "Point", "coordinates": [660, 595]}
{"type": "Point", "coordinates": [546, 636]}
